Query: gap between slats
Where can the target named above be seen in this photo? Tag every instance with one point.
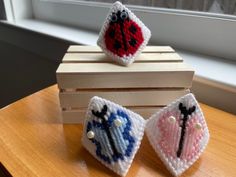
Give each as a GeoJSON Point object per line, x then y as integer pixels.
{"type": "Point", "coordinates": [120, 89]}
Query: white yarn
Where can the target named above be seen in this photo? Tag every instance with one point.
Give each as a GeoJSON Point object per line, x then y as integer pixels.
{"type": "Point", "coordinates": [179, 166]}
{"type": "Point", "coordinates": [121, 167]}
{"type": "Point", "coordinates": [126, 60]}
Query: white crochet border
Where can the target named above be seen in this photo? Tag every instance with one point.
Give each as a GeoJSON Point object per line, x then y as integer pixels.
{"type": "Point", "coordinates": [101, 42]}
{"type": "Point", "coordinates": [138, 127]}
{"type": "Point", "coordinates": [151, 122]}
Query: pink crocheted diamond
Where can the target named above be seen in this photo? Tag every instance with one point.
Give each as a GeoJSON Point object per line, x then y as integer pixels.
{"type": "Point", "coordinates": [123, 36]}
{"type": "Point", "coordinates": [178, 133]}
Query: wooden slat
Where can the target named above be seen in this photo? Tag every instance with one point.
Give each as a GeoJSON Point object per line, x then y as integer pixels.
{"type": "Point", "coordinates": [96, 49]}
{"type": "Point", "coordinates": [102, 58]}
{"type": "Point", "coordinates": [137, 75]}
{"type": "Point", "coordinates": [78, 115]}
{"type": "Point", "coordinates": [126, 98]}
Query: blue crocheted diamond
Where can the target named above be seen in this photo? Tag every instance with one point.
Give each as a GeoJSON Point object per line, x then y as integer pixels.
{"type": "Point", "coordinates": [112, 134]}
{"type": "Point", "coordinates": [113, 142]}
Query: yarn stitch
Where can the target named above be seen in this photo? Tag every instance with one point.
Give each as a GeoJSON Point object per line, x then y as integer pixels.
{"type": "Point", "coordinates": [174, 135]}
{"type": "Point", "coordinates": [113, 144]}
{"type": "Point", "coordinates": [123, 36]}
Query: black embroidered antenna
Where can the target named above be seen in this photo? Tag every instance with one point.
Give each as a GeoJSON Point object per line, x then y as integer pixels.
{"type": "Point", "coordinates": [101, 115]}
{"type": "Point", "coordinates": [120, 18]}
{"type": "Point", "coordinates": [123, 35]}
{"type": "Point", "coordinates": [186, 112]}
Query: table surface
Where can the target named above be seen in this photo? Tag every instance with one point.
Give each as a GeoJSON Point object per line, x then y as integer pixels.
{"type": "Point", "coordinates": [33, 142]}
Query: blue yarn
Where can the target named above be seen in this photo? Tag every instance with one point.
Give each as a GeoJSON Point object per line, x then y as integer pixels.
{"type": "Point", "coordinates": [126, 134]}
{"type": "Point", "coordinates": [98, 125]}
{"type": "Point", "coordinates": [121, 137]}
{"type": "Point", "coordinates": [98, 146]}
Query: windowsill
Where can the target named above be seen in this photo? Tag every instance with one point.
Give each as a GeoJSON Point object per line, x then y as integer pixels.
{"type": "Point", "coordinates": [70, 34]}
{"type": "Point", "coordinates": [212, 71]}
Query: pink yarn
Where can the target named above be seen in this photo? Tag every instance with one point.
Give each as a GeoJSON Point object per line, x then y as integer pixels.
{"type": "Point", "coordinates": [170, 136]}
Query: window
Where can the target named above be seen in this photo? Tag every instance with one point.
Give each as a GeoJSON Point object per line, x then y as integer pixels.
{"type": "Point", "coordinates": [213, 6]}
{"type": "Point", "coordinates": [191, 29]}
{"type": "Point", "coordinates": [207, 33]}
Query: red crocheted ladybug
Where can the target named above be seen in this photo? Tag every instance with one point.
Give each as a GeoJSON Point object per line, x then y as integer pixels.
{"type": "Point", "coordinates": [123, 35]}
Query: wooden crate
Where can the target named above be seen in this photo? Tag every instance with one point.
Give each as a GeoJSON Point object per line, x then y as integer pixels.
{"type": "Point", "coordinates": [156, 78]}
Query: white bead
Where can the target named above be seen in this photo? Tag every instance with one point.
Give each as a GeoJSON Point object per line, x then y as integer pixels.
{"type": "Point", "coordinates": [172, 119]}
{"type": "Point", "coordinates": [118, 122]}
{"type": "Point", "coordinates": [90, 134]}
{"type": "Point", "coordinates": [198, 126]}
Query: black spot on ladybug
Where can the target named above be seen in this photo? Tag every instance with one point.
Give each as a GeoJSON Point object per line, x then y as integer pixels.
{"type": "Point", "coordinates": [117, 45]}
{"type": "Point", "coordinates": [132, 29]}
{"type": "Point", "coordinates": [132, 42]}
{"type": "Point", "coordinates": [112, 33]}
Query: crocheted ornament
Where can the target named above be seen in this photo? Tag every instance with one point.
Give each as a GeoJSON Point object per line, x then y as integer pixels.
{"type": "Point", "coordinates": [178, 133]}
{"type": "Point", "coordinates": [123, 36]}
{"type": "Point", "coordinates": [112, 134]}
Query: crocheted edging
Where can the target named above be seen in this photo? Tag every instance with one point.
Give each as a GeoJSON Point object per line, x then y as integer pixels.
{"type": "Point", "coordinates": [163, 158]}
{"type": "Point", "coordinates": [152, 122]}
{"type": "Point", "coordinates": [122, 166]}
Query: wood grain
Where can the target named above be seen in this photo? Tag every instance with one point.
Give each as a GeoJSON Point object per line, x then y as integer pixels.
{"type": "Point", "coordinates": [33, 142]}
{"type": "Point", "coordinates": [96, 49]}
{"type": "Point", "coordinates": [144, 97]}
{"type": "Point", "coordinates": [108, 75]}
{"type": "Point", "coordinates": [102, 58]}
{"type": "Point", "coordinates": [107, 68]}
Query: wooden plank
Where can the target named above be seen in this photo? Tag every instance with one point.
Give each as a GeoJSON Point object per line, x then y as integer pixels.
{"type": "Point", "coordinates": [96, 49]}
{"type": "Point", "coordinates": [102, 58]}
{"type": "Point", "coordinates": [77, 116]}
{"type": "Point", "coordinates": [105, 68]}
{"type": "Point", "coordinates": [147, 97]}
{"type": "Point", "coordinates": [137, 75]}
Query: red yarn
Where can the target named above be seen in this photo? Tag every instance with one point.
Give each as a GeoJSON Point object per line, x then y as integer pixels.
{"type": "Point", "coordinates": [110, 40]}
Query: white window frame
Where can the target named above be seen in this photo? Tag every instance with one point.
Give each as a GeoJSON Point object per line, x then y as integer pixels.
{"type": "Point", "coordinates": [206, 33]}
{"type": "Point", "coordinates": [18, 9]}
{"type": "Point", "coordinates": [211, 34]}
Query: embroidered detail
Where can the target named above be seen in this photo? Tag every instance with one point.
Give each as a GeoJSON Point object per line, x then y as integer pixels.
{"type": "Point", "coordinates": [132, 29]}
{"type": "Point", "coordinates": [178, 143]}
{"type": "Point", "coordinates": [186, 113]}
{"type": "Point", "coordinates": [107, 126]}
{"type": "Point", "coordinates": [123, 36]}
{"type": "Point", "coordinates": [117, 134]}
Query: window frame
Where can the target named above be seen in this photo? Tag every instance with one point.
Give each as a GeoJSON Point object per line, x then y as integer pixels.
{"type": "Point", "coordinates": [16, 9]}
{"type": "Point", "coordinates": [211, 34]}
{"type": "Point", "coordinates": [206, 33]}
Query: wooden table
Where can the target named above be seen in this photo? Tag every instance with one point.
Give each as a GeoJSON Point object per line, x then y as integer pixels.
{"type": "Point", "coordinates": [33, 142]}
